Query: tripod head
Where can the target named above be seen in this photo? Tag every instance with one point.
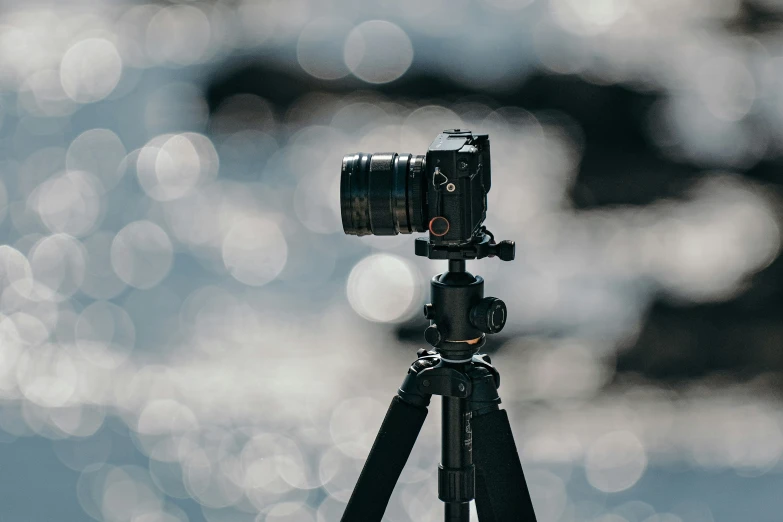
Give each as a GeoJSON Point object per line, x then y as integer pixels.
{"type": "Point", "coordinates": [460, 316]}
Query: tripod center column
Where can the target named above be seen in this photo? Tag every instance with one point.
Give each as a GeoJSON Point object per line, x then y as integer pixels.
{"type": "Point", "coordinates": [456, 474]}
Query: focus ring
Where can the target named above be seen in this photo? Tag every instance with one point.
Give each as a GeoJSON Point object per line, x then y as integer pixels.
{"type": "Point", "coordinates": [400, 193]}
{"type": "Point", "coordinates": [380, 181]}
{"type": "Point", "coordinates": [360, 205]}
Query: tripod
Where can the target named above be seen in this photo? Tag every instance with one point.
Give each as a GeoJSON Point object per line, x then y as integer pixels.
{"type": "Point", "coordinates": [479, 458]}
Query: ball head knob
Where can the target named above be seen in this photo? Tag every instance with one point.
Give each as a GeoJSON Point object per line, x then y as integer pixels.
{"type": "Point", "coordinates": [489, 315]}
{"type": "Point", "coordinates": [433, 336]}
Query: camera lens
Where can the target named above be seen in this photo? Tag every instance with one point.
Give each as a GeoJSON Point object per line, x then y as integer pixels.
{"type": "Point", "coordinates": [382, 194]}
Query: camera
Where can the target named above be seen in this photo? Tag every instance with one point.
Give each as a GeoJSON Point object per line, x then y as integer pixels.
{"type": "Point", "coordinates": [444, 192]}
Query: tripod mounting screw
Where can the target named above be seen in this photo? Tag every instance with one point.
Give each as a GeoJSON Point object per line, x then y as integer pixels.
{"type": "Point", "coordinates": [489, 315]}
{"type": "Point", "coordinates": [433, 336]}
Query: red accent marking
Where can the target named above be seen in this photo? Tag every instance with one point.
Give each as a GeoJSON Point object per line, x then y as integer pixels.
{"type": "Point", "coordinates": [448, 225]}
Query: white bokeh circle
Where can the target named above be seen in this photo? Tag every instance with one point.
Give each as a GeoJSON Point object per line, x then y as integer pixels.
{"type": "Point", "coordinates": [58, 263]}
{"type": "Point", "coordinates": [105, 334]}
{"type": "Point", "coordinates": [255, 251]}
{"type": "Point", "coordinates": [15, 271]}
{"type": "Point", "coordinates": [90, 70]}
{"type": "Point", "coordinates": [69, 203]}
{"type": "Point", "coordinates": [615, 461]}
{"type": "Point", "coordinates": [382, 288]}
{"type": "Point", "coordinates": [99, 152]}
{"type": "Point", "coordinates": [378, 51]}
{"type": "Point", "coordinates": [142, 254]}
{"type": "Point", "coordinates": [319, 49]}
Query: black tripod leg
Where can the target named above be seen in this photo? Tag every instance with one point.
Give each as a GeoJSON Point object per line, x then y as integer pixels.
{"type": "Point", "coordinates": [501, 490]}
{"type": "Point", "coordinates": [388, 456]}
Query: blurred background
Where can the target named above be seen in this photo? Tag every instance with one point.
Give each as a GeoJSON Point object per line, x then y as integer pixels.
{"type": "Point", "coordinates": [186, 335]}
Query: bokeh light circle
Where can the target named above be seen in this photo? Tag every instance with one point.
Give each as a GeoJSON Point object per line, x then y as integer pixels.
{"type": "Point", "coordinates": [69, 203]}
{"type": "Point", "coordinates": [99, 152]}
{"type": "Point", "coordinates": [47, 376]}
{"type": "Point", "coordinates": [178, 34]}
{"type": "Point", "coordinates": [25, 330]}
{"type": "Point", "coordinates": [320, 48]}
{"type": "Point", "coordinates": [58, 264]}
{"type": "Point", "coordinates": [142, 254]}
{"type": "Point", "coordinates": [382, 288]}
{"type": "Point", "coordinates": [105, 334]}
{"type": "Point", "coordinates": [615, 461]}
{"type": "Point", "coordinates": [171, 166]}
{"type": "Point", "coordinates": [90, 70]}
{"type": "Point", "coordinates": [255, 251]}
{"type": "Point", "coordinates": [129, 493]}
{"type": "Point", "coordinates": [15, 271]}
{"type": "Point", "coordinates": [378, 51]}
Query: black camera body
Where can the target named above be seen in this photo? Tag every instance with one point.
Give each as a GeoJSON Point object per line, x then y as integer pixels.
{"type": "Point", "coordinates": [443, 192]}
{"type": "Point", "coordinates": [459, 175]}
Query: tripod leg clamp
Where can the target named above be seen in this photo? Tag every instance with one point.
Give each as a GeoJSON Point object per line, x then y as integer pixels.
{"type": "Point", "coordinates": [456, 485]}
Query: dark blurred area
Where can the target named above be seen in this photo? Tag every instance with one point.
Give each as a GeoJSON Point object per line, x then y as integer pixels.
{"type": "Point", "coordinates": [187, 335]}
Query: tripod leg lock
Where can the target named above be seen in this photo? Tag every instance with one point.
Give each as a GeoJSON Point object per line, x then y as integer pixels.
{"type": "Point", "coordinates": [410, 393]}
{"type": "Point", "coordinates": [457, 485]}
{"type": "Point", "coordinates": [444, 381]}
{"type": "Point", "coordinates": [428, 376]}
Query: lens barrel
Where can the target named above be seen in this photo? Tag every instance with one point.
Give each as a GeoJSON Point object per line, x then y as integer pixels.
{"type": "Point", "coordinates": [382, 194]}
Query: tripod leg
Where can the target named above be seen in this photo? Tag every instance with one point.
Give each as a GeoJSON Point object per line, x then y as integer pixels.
{"type": "Point", "coordinates": [501, 490]}
{"type": "Point", "coordinates": [388, 456]}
